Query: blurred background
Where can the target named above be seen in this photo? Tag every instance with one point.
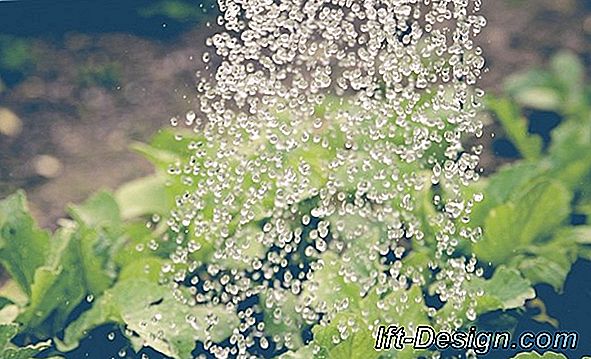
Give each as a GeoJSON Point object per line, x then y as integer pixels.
{"type": "Point", "coordinates": [80, 80]}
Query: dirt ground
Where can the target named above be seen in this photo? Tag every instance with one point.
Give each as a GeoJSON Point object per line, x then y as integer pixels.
{"type": "Point", "coordinates": [75, 130]}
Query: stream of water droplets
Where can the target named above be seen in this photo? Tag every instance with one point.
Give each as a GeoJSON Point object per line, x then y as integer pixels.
{"type": "Point", "coordinates": [329, 164]}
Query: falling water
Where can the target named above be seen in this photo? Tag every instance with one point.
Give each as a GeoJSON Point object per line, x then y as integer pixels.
{"type": "Point", "coordinates": [329, 165]}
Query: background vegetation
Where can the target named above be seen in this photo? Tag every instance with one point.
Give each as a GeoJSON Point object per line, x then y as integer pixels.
{"type": "Point", "coordinates": [73, 99]}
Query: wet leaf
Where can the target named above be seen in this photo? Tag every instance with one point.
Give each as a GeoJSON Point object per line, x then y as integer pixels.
{"type": "Point", "coordinates": [507, 289]}
{"type": "Point", "coordinates": [23, 246]}
{"type": "Point", "coordinates": [151, 313]}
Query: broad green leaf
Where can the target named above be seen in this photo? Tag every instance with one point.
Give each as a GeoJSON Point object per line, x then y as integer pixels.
{"type": "Point", "coordinates": [358, 342]}
{"type": "Point", "coordinates": [579, 234]}
{"type": "Point", "coordinates": [508, 181]}
{"type": "Point", "coordinates": [523, 81]}
{"type": "Point", "coordinates": [95, 252]}
{"type": "Point", "coordinates": [100, 210]}
{"type": "Point", "coordinates": [144, 196]}
{"type": "Point", "coordinates": [73, 270]}
{"type": "Point", "coordinates": [281, 318]}
{"type": "Point", "coordinates": [135, 242]}
{"type": "Point", "coordinates": [507, 289]}
{"type": "Point", "coordinates": [361, 238]}
{"type": "Point", "coordinates": [57, 287]}
{"type": "Point", "coordinates": [7, 332]}
{"type": "Point", "coordinates": [327, 286]}
{"type": "Point", "coordinates": [569, 141]}
{"type": "Point", "coordinates": [551, 261]}
{"type": "Point", "coordinates": [569, 72]}
{"type": "Point", "coordinates": [23, 246]}
{"type": "Point", "coordinates": [533, 215]}
{"type": "Point", "coordinates": [544, 270]}
{"type": "Point", "coordinates": [541, 210]}
{"type": "Point", "coordinates": [243, 248]}
{"type": "Point", "coordinates": [401, 307]}
{"type": "Point", "coordinates": [152, 313]}
{"type": "Point", "coordinates": [28, 352]}
{"type": "Point", "coordinates": [582, 235]}
{"type": "Point", "coordinates": [501, 235]}
{"type": "Point", "coordinates": [348, 334]}
{"type": "Point", "coordinates": [148, 267]}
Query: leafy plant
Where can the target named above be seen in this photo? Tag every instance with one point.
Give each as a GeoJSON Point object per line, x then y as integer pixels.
{"type": "Point", "coordinates": [115, 250]}
{"type": "Point", "coordinates": [529, 203]}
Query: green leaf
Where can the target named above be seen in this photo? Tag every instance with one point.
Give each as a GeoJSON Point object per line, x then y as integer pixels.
{"type": "Point", "coordinates": [283, 302]}
{"type": "Point", "coordinates": [507, 182]}
{"type": "Point", "coordinates": [144, 196]}
{"type": "Point", "coordinates": [545, 269]}
{"type": "Point", "coordinates": [327, 286]}
{"type": "Point", "coordinates": [7, 332]}
{"type": "Point", "coordinates": [569, 140]}
{"type": "Point", "coordinates": [9, 351]}
{"type": "Point", "coordinates": [243, 248]}
{"type": "Point", "coordinates": [550, 262]}
{"type": "Point", "coordinates": [151, 313]}
{"type": "Point", "coordinates": [100, 210]}
{"type": "Point", "coordinates": [507, 289]}
{"type": "Point", "coordinates": [541, 98]}
{"type": "Point", "coordinates": [522, 81]}
{"type": "Point", "coordinates": [23, 246]}
{"type": "Point", "coordinates": [515, 126]}
{"type": "Point", "coordinates": [358, 344]}
{"type": "Point", "coordinates": [568, 68]}
{"type": "Point", "coordinates": [348, 334]}
{"type": "Point", "coordinates": [569, 72]}
{"type": "Point", "coordinates": [74, 269]}
{"type": "Point", "coordinates": [148, 267]}
{"type": "Point", "coordinates": [541, 210]}
{"type": "Point", "coordinates": [513, 226]}
{"type": "Point", "coordinates": [161, 159]}
{"type": "Point", "coordinates": [134, 244]}
{"type": "Point", "coordinates": [501, 235]}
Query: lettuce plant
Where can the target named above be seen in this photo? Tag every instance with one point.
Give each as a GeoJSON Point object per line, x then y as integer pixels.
{"type": "Point", "coordinates": [117, 255]}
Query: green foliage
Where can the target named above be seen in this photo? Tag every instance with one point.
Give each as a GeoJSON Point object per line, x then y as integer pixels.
{"type": "Point", "coordinates": [529, 203]}
{"type": "Point", "coordinates": [146, 308]}
{"type": "Point", "coordinates": [561, 89]}
{"type": "Point", "coordinates": [9, 351]}
{"type": "Point", "coordinates": [110, 253]}
{"type": "Point", "coordinates": [505, 290]}
{"type": "Point", "coordinates": [515, 125]}
{"type": "Point", "coordinates": [512, 227]}
{"type": "Point", "coordinates": [22, 244]}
